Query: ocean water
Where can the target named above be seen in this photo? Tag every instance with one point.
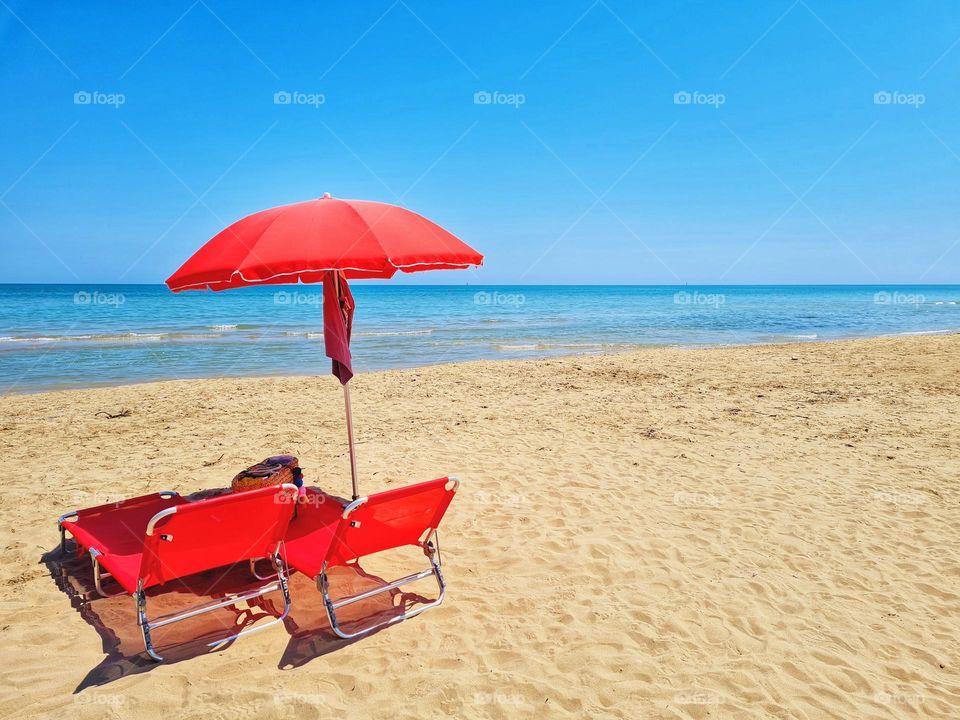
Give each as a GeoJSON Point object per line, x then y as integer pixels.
{"type": "Point", "coordinates": [62, 336]}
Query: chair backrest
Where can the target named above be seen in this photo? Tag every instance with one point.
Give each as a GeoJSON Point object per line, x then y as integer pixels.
{"type": "Point", "coordinates": [313, 531]}
{"type": "Point", "coordinates": [219, 531]}
{"type": "Point", "coordinates": [390, 519]}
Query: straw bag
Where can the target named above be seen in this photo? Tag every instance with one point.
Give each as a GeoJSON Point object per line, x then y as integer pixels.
{"type": "Point", "coordinates": [272, 471]}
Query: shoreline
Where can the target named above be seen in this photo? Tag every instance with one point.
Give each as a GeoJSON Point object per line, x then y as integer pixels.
{"type": "Point", "coordinates": [637, 349]}
{"type": "Point", "coordinates": [77, 336]}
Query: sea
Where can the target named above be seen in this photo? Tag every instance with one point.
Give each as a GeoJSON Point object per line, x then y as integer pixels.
{"type": "Point", "coordinates": [75, 336]}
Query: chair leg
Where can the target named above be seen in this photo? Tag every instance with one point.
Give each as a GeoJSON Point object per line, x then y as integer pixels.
{"type": "Point", "coordinates": [258, 576]}
{"type": "Point", "coordinates": [63, 531]}
{"type": "Point", "coordinates": [281, 575]}
{"type": "Point", "coordinates": [280, 583]}
{"type": "Point", "coordinates": [331, 606]}
{"type": "Point", "coordinates": [141, 600]}
{"type": "Point", "coordinates": [98, 575]}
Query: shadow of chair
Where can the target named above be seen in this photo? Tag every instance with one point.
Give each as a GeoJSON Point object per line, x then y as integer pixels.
{"type": "Point", "coordinates": [115, 618]}
{"type": "Point", "coordinates": [310, 634]}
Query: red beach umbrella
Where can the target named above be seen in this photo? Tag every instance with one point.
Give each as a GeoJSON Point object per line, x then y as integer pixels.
{"type": "Point", "coordinates": [301, 242]}
{"type": "Point", "coordinates": [326, 240]}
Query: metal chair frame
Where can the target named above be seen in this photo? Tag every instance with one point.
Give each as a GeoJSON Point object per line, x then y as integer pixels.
{"type": "Point", "coordinates": [331, 605]}
{"type": "Point", "coordinates": [278, 582]}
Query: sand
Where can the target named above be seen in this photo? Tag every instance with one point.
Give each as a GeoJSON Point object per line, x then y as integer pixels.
{"type": "Point", "coordinates": [745, 532]}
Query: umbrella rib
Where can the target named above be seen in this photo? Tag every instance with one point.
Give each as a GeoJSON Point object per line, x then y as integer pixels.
{"type": "Point", "coordinates": [369, 231]}
{"type": "Point", "coordinates": [250, 248]}
{"type": "Point", "coordinates": [236, 273]}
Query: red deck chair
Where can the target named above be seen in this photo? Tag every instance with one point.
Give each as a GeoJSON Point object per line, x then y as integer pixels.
{"type": "Point", "coordinates": [149, 540]}
{"type": "Point", "coordinates": [326, 533]}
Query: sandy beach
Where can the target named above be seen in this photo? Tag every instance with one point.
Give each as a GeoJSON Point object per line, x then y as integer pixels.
{"type": "Point", "coordinates": [747, 532]}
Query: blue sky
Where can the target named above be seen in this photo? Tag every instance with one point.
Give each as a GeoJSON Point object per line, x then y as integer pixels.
{"type": "Point", "coordinates": [785, 166]}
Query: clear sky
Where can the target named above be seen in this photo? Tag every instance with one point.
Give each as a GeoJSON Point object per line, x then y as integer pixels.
{"type": "Point", "coordinates": [549, 136]}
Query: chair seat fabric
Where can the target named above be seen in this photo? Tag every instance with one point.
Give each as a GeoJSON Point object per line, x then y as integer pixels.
{"type": "Point", "coordinates": [312, 532]}
{"type": "Point", "coordinates": [199, 536]}
{"type": "Point", "coordinates": [116, 531]}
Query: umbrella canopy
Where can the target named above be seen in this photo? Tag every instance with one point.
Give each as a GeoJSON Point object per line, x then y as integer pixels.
{"type": "Point", "coordinates": [325, 240]}
{"type": "Point", "coordinates": [301, 242]}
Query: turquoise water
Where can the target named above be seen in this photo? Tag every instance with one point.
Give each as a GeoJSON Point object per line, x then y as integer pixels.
{"type": "Point", "coordinates": [56, 336]}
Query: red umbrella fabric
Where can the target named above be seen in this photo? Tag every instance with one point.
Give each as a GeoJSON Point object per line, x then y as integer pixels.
{"type": "Point", "coordinates": [303, 241]}
{"type": "Point", "coordinates": [338, 307]}
{"type": "Point", "coordinates": [325, 240]}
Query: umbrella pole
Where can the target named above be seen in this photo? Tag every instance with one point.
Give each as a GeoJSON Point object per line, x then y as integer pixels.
{"type": "Point", "coordinates": [353, 455]}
